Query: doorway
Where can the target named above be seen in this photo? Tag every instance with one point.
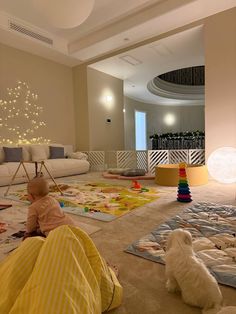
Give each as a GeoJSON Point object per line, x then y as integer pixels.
{"type": "Point", "coordinates": [140, 130]}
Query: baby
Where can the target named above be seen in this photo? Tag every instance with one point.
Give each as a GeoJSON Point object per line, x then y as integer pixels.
{"type": "Point", "coordinates": [44, 213]}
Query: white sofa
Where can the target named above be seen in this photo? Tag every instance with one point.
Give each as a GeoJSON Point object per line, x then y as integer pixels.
{"type": "Point", "coordinates": [57, 167]}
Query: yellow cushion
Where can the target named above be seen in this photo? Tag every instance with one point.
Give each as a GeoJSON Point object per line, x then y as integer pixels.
{"type": "Point", "coordinates": [62, 274]}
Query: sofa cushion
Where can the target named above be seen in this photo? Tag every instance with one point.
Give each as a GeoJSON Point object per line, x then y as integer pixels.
{"type": "Point", "coordinates": [56, 152]}
{"type": "Point", "coordinates": [134, 172]}
{"type": "Point", "coordinates": [26, 152]}
{"type": "Point", "coordinates": [68, 149]}
{"type": "Point", "coordinates": [2, 156]}
{"type": "Point", "coordinates": [38, 152]}
{"type": "Point", "coordinates": [12, 154]}
{"type": "Point", "coordinates": [119, 171]}
{"type": "Point", "coordinates": [78, 155]}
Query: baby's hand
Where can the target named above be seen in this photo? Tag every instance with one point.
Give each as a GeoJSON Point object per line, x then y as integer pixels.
{"type": "Point", "coordinates": [26, 235]}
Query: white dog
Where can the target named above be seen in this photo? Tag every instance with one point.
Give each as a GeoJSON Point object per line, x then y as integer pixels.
{"type": "Point", "coordinates": [189, 275]}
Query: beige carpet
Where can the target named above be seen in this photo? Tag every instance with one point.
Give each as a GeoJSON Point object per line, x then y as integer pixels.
{"type": "Point", "coordinates": [86, 227]}
{"type": "Point", "coordinates": [143, 280]}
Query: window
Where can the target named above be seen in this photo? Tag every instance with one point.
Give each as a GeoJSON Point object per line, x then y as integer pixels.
{"type": "Point", "coordinates": [140, 131]}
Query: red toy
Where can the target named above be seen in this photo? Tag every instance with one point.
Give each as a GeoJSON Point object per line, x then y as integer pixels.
{"type": "Point", "coordinates": [136, 185]}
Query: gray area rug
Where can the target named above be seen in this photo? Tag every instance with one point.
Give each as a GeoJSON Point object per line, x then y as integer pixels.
{"type": "Point", "coordinates": [213, 228]}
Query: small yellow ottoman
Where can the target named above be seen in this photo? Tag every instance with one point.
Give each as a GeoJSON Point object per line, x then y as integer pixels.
{"type": "Point", "coordinates": [168, 174]}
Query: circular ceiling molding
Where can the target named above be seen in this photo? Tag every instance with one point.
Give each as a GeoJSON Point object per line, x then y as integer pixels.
{"type": "Point", "coordinates": [65, 13]}
{"type": "Point", "coordinates": [174, 91]}
{"type": "Point", "coordinates": [182, 84]}
{"type": "Point", "coordinates": [193, 76]}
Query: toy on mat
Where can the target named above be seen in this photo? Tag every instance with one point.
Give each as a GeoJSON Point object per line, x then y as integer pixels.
{"type": "Point", "coordinates": [183, 188]}
{"type": "Point", "coordinates": [136, 185]}
{"type": "Point", "coordinates": [91, 210]}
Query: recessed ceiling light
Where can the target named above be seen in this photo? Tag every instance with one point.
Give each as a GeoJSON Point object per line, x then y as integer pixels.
{"type": "Point", "coordinates": [130, 60]}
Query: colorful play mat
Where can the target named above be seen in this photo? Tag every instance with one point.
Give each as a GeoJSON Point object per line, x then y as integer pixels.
{"type": "Point", "coordinates": [214, 239]}
{"type": "Point", "coordinates": [99, 201]}
{"type": "Point", "coordinates": [12, 226]}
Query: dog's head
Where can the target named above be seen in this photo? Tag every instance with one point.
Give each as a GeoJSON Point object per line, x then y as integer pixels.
{"type": "Point", "coordinates": [179, 237]}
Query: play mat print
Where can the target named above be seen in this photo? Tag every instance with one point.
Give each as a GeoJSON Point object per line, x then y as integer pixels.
{"type": "Point", "coordinates": [12, 226]}
{"type": "Point", "coordinates": [213, 228]}
{"type": "Point", "coordinates": [100, 201]}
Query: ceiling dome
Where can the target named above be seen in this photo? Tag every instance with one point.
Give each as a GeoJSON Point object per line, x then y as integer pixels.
{"type": "Point", "coordinates": [182, 84]}
{"type": "Point", "coordinates": [194, 76]}
{"type": "Point", "coordinates": [64, 13]}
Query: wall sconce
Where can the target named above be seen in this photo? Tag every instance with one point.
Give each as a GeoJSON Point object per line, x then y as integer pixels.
{"type": "Point", "coordinates": [108, 99]}
{"type": "Point", "coordinates": [169, 119]}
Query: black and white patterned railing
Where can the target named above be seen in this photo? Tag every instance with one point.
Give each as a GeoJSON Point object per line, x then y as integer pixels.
{"type": "Point", "coordinates": [145, 159]}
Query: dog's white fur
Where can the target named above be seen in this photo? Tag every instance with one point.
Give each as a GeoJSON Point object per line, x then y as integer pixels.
{"type": "Point", "coordinates": [189, 275]}
{"type": "Point", "coordinates": [228, 310]}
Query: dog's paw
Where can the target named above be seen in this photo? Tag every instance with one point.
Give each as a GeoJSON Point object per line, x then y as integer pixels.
{"type": "Point", "coordinates": [171, 286]}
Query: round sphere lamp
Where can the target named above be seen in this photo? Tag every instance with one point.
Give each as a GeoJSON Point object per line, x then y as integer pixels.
{"type": "Point", "coordinates": [64, 13]}
{"type": "Point", "coordinates": [222, 165]}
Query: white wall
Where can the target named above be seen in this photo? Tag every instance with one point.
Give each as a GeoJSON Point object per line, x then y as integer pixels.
{"type": "Point", "coordinates": [220, 67]}
{"type": "Point", "coordinates": [81, 107]}
{"type": "Point", "coordinates": [188, 118]}
{"type": "Point", "coordinates": [104, 135]}
{"type": "Point", "coordinates": [52, 82]}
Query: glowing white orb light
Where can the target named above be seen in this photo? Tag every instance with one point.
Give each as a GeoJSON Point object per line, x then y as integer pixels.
{"type": "Point", "coordinates": [64, 13]}
{"type": "Point", "coordinates": [222, 165]}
